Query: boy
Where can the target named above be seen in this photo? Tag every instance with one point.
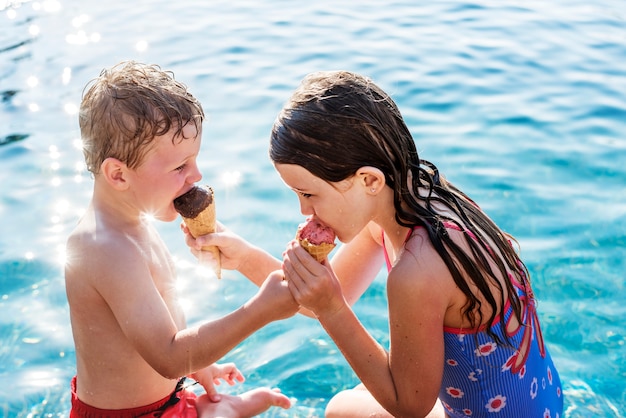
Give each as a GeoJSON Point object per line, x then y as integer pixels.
{"type": "Point", "coordinates": [141, 132]}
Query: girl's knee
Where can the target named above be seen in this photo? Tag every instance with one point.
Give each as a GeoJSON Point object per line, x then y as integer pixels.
{"type": "Point", "coordinates": [355, 403]}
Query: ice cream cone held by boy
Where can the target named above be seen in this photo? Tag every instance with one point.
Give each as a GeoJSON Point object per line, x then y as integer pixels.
{"type": "Point", "coordinates": [197, 208]}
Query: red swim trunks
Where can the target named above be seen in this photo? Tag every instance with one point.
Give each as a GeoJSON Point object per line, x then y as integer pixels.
{"type": "Point", "coordinates": [180, 404]}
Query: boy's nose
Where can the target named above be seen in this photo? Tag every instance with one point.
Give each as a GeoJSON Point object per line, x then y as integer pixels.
{"type": "Point", "coordinates": [195, 175]}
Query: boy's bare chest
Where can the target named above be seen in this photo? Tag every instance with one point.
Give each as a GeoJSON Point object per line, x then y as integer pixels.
{"type": "Point", "coordinates": [161, 268]}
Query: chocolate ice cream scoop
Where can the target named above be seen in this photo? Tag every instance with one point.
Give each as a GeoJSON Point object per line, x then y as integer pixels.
{"type": "Point", "coordinates": [190, 204]}
{"type": "Point", "coordinates": [197, 207]}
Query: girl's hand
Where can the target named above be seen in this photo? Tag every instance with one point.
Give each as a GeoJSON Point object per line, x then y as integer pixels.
{"type": "Point", "coordinates": [233, 248]}
{"type": "Point", "coordinates": [313, 285]}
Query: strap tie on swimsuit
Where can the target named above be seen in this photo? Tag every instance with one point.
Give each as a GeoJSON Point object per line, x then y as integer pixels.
{"type": "Point", "coordinates": [530, 322]}
{"type": "Point", "coordinates": [174, 399]}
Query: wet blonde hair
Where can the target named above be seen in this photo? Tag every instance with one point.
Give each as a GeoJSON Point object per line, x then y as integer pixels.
{"type": "Point", "coordinates": [127, 106]}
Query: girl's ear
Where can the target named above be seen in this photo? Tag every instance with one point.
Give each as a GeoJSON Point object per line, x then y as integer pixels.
{"type": "Point", "coordinates": [115, 173]}
{"type": "Point", "coordinates": [372, 179]}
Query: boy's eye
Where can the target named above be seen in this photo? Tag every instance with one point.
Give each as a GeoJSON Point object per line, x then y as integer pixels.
{"type": "Point", "coordinates": [180, 168]}
{"type": "Point", "coordinates": [306, 195]}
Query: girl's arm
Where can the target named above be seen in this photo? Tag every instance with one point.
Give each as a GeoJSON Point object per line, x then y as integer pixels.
{"type": "Point", "coordinates": [236, 253]}
{"type": "Point", "coordinates": [418, 291]}
{"type": "Point", "coordinates": [406, 380]}
{"type": "Point", "coordinates": [255, 263]}
{"type": "Point", "coordinates": [357, 273]}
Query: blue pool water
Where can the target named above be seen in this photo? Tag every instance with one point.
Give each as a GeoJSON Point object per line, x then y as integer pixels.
{"type": "Point", "coordinates": [522, 104]}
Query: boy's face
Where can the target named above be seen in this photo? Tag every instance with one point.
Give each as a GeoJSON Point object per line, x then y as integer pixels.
{"type": "Point", "coordinates": [168, 170]}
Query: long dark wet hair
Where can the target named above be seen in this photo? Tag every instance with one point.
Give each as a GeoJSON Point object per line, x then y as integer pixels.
{"type": "Point", "coordinates": [337, 122]}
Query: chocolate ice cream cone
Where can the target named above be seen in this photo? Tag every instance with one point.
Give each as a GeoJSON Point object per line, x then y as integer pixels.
{"type": "Point", "coordinates": [204, 224]}
{"type": "Point", "coordinates": [201, 223]}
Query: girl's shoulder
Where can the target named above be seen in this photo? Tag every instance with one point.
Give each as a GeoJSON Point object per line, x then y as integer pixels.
{"type": "Point", "coordinates": [420, 263]}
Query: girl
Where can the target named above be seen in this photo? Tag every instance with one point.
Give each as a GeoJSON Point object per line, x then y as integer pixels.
{"type": "Point", "coordinates": [464, 331]}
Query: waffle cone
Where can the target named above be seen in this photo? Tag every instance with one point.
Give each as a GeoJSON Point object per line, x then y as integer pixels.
{"type": "Point", "coordinates": [204, 224]}
{"type": "Point", "coordinates": [319, 252]}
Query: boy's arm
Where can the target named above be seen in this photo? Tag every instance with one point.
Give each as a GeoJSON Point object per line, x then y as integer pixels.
{"type": "Point", "coordinates": [151, 321]}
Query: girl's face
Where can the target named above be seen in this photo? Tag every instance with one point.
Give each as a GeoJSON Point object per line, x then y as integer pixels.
{"type": "Point", "coordinates": [168, 170]}
{"type": "Point", "coordinates": [343, 206]}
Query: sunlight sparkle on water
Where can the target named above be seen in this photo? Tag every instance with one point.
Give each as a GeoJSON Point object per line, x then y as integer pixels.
{"type": "Point", "coordinates": [82, 38]}
{"type": "Point", "coordinates": [80, 20]}
{"type": "Point", "coordinates": [70, 109]}
{"type": "Point", "coordinates": [32, 81]}
{"type": "Point", "coordinates": [141, 46]}
{"type": "Point", "coordinates": [205, 271]}
{"type": "Point", "coordinates": [62, 254]}
{"type": "Point", "coordinates": [51, 5]}
{"type": "Point", "coordinates": [33, 107]}
{"type": "Point", "coordinates": [42, 378]}
{"type": "Point", "coordinates": [54, 151]}
{"type": "Point", "coordinates": [67, 75]}
{"type": "Point", "coordinates": [231, 178]}
{"type": "Point", "coordinates": [181, 263]}
{"type": "Point", "coordinates": [79, 168]}
{"type": "Point", "coordinates": [62, 206]}
{"type": "Point", "coordinates": [34, 30]}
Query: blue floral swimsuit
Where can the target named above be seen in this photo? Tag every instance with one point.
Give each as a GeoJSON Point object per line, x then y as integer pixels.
{"type": "Point", "coordinates": [482, 378]}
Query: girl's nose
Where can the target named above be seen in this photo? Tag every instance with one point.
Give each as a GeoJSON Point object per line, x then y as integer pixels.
{"type": "Point", "coordinates": [305, 208]}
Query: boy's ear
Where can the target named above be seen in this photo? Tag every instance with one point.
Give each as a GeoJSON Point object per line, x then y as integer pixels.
{"type": "Point", "coordinates": [114, 172]}
{"type": "Point", "coordinates": [372, 179]}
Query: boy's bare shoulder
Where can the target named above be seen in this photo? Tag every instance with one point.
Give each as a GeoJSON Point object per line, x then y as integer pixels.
{"type": "Point", "coordinates": [90, 240]}
{"type": "Point", "coordinates": [94, 253]}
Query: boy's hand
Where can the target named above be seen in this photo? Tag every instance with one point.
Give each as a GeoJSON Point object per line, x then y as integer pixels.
{"type": "Point", "coordinates": [210, 376]}
{"type": "Point", "coordinates": [228, 372]}
{"type": "Point", "coordinates": [275, 298]}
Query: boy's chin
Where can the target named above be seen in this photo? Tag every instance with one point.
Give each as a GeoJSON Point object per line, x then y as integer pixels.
{"type": "Point", "coordinates": [162, 217]}
{"type": "Point", "coordinates": [168, 217]}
